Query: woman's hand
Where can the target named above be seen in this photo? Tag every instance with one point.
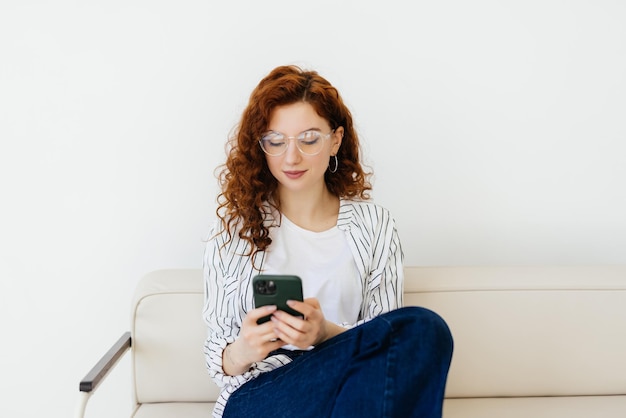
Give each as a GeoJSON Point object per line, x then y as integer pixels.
{"type": "Point", "coordinates": [254, 343]}
{"type": "Point", "coordinates": [303, 333]}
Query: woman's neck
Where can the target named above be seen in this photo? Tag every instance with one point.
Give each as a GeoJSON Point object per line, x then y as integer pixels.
{"type": "Point", "coordinates": [315, 211]}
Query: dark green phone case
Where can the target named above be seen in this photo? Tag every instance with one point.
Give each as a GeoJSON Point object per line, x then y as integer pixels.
{"type": "Point", "coordinates": [276, 289]}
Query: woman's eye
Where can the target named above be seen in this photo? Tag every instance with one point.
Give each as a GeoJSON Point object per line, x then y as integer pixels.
{"type": "Point", "coordinates": [309, 138]}
{"type": "Point", "coordinates": [273, 139]}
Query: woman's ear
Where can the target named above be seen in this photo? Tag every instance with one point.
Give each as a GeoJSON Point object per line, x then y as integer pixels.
{"type": "Point", "coordinates": [337, 138]}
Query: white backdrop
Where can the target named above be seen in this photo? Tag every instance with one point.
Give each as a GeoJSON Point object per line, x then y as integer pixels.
{"type": "Point", "coordinates": [496, 130]}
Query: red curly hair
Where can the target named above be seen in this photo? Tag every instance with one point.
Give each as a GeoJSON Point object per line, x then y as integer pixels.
{"type": "Point", "coordinates": [245, 179]}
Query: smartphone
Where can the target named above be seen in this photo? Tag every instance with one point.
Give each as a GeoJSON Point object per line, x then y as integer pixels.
{"type": "Point", "coordinates": [276, 289]}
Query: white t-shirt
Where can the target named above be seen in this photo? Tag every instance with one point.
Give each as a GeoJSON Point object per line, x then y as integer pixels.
{"type": "Point", "coordinates": [324, 262]}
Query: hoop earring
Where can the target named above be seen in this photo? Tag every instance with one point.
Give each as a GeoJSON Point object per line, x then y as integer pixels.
{"type": "Point", "coordinates": [336, 165]}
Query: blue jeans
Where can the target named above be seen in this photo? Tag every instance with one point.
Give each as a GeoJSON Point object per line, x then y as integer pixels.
{"type": "Point", "coordinates": [395, 365]}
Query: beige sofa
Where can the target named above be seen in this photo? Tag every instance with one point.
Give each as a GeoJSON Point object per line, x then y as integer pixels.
{"type": "Point", "coordinates": [529, 342]}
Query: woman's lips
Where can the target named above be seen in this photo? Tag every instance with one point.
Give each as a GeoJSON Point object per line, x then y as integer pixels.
{"type": "Point", "coordinates": [294, 174]}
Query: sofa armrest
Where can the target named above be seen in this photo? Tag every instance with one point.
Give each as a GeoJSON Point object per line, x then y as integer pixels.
{"type": "Point", "coordinates": [106, 363]}
{"type": "Point", "coordinates": [92, 379]}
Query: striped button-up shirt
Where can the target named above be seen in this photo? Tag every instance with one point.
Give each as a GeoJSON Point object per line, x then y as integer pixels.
{"type": "Point", "coordinates": [371, 234]}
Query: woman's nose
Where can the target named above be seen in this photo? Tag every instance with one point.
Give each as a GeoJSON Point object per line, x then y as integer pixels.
{"type": "Point", "coordinates": [293, 154]}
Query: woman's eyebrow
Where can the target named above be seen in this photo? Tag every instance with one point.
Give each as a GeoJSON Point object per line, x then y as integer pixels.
{"type": "Point", "coordinates": [306, 130]}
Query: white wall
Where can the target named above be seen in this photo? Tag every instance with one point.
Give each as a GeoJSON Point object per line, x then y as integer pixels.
{"type": "Point", "coordinates": [496, 130]}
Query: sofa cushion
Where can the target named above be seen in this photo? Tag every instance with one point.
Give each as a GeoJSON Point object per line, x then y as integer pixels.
{"type": "Point", "coordinates": [529, 331]}
{"type": "Point", "coordinates": [537, 407]}
{"type": "Point", "coordinates": [174, 410]}
{"type": "Point", "coordinates": [168, 339]}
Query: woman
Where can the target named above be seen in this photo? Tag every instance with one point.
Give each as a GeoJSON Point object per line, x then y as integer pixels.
{"type": "Point", "coordinates": [295, 201]}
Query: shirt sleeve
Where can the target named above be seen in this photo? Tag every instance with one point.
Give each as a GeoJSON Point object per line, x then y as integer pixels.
{"type": "Point", "coordinates": [221, 312]}
{"type": "Point", "coordinates": [384, 285]}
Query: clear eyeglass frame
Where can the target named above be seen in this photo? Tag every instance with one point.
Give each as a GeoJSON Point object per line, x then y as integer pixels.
{"type": "Point", "coordinates": [308, 142]}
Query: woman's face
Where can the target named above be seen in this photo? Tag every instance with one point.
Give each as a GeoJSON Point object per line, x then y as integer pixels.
{"type": "Point", "coordinates": [295, 171]}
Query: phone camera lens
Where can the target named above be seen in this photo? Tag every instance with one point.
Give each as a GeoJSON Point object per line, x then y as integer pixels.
{"type": "Point", "coordinates": [271, 286]}
{"type": "Point", "coordinates": [265, 287]}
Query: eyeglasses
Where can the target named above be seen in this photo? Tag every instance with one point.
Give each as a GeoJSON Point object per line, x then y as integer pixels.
{"type": "Point", "coordinates": [308, 142]}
